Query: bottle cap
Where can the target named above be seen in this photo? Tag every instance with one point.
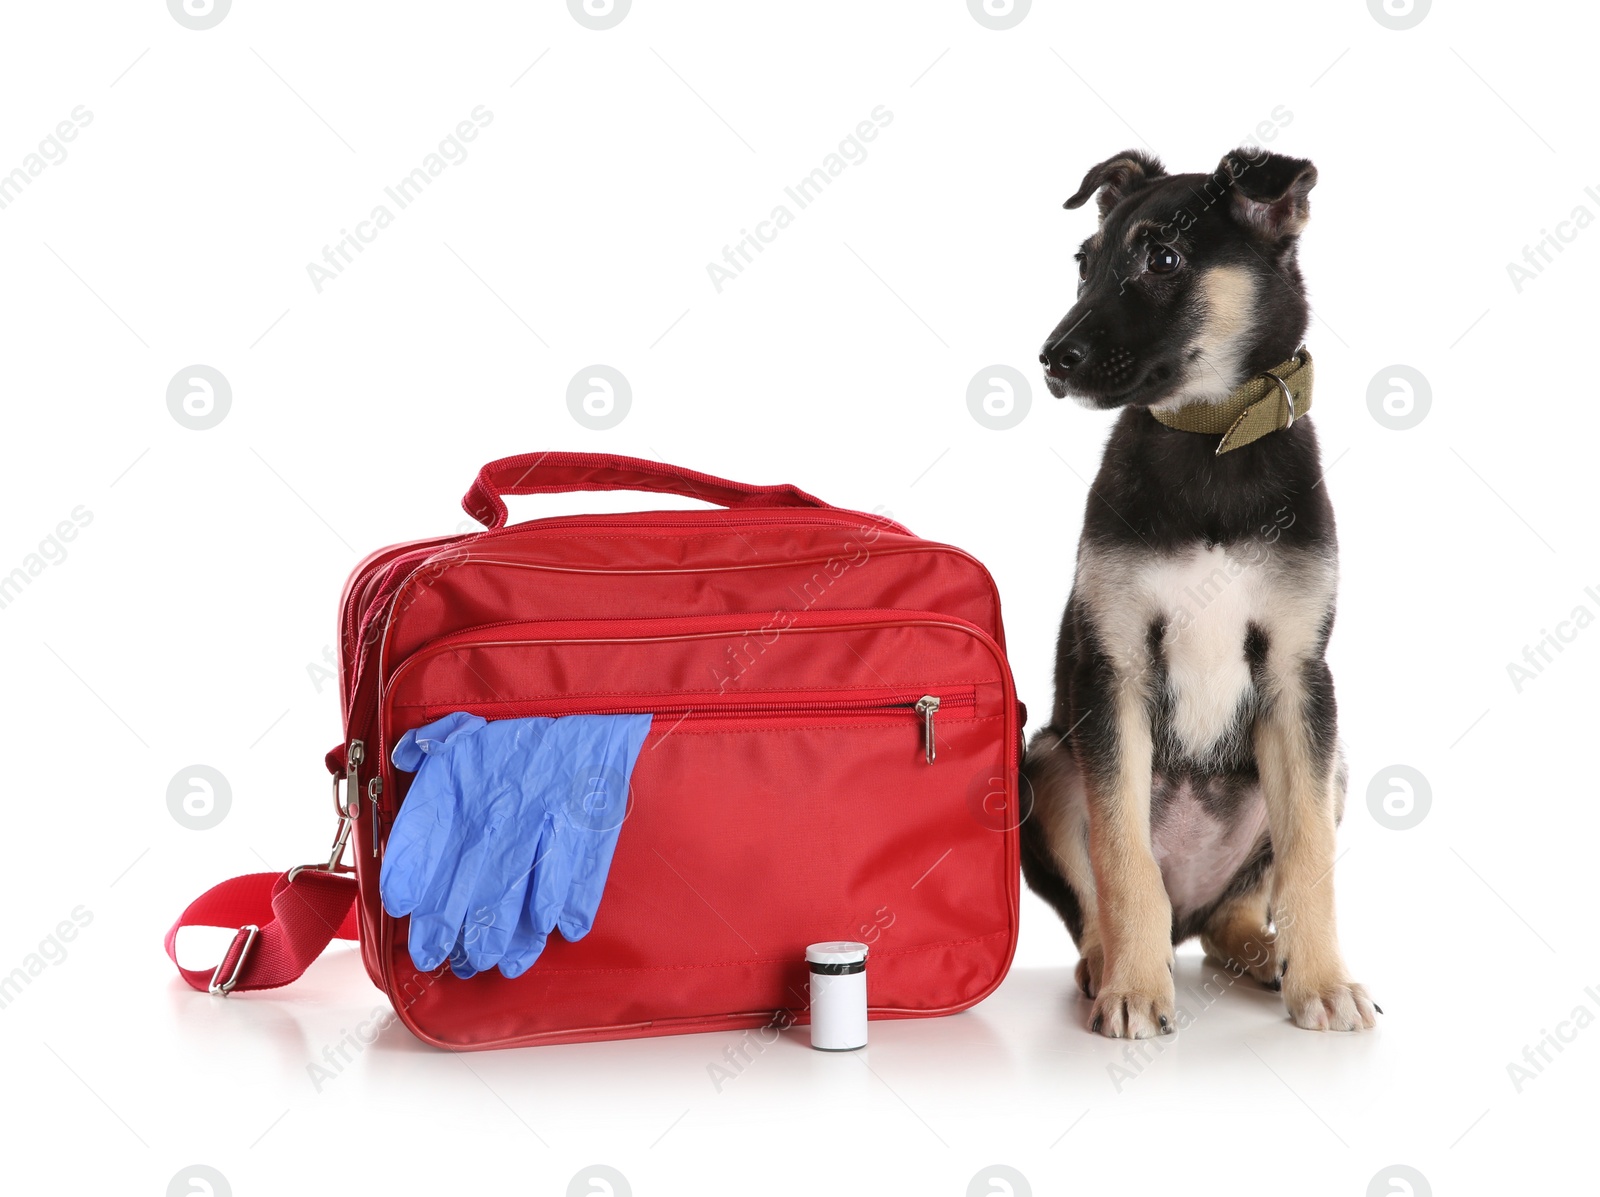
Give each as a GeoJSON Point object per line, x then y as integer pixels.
{"type": "Point", "coordinates": [837, 951]}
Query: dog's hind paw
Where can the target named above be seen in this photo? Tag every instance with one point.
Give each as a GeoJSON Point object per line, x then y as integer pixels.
{"type": "Point", "coordinates": [1256, 959]}
{"type": "Point", "coordinates": [1238, 940]}
{"type": "Point", "coordinates": [1090, 966]}
{"type": "Point", "coordinates": [1334, 1006]}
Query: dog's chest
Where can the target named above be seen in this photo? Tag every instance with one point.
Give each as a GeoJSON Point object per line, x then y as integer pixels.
{"type": "Point", "coordinates": [1202, 830]}
{"type": "Point", "coordinates": [1200, 625]}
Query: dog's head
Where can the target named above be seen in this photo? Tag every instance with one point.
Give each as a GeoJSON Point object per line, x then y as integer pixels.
{"type": "Point", "coordinates": [1189, 286]}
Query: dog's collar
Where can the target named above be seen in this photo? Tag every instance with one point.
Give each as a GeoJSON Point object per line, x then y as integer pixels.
{"type": "Point", "coordinates": [1273, 399]}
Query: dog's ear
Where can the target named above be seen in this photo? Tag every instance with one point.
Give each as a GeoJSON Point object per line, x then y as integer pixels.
{"type": "Point", "coordinates": [1270, 193]}
{"type": "Point", "coordinates": [1116, 178]}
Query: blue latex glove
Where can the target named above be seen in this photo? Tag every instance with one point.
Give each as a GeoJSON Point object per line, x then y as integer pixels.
{"type": "Point", "coordinates": [507, 832]}
{"type": "Point", "coordinates": [602, 760]}
{"type": "Point", "coordinates": [588, 760]}
{"type": "Point", "coordinates": [497, 866]}
{"type": "Point", "coordinates": [458, 961]}
{"type": "Point", "coordinates": [419, 863]}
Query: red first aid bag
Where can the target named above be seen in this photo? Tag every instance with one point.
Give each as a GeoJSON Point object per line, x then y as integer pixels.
{"type": "Point", "coordinates": [833, 755]}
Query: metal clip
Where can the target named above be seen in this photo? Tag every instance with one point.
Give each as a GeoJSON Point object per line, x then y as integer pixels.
{"type": "Point", "coordinates": [335, 864]}
{"type": "Point", "coordinates": [223, 988]}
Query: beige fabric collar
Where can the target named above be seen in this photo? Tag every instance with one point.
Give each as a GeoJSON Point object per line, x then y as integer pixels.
{"type": "Point", "coordinates": [1273, 399]}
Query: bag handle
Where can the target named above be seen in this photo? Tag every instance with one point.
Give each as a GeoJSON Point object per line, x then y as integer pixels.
{"type": "Point", "coordinates": [552, 473]}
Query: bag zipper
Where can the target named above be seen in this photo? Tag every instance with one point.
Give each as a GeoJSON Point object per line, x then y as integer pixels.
{"type": "Point", "coordinates": [924, 706]}
{"type": "Point", "coordinates": [392, 567]}
{"type": "Point", "coordinates": [712, 519]}
{"type": "Point", "coordinates": [394, 558]}
{"type": "Point", "coordinates": [485, 635]}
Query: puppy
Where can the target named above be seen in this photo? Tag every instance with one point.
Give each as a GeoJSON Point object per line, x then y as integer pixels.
{"type": "Point", "coordinates": [1190, 780]}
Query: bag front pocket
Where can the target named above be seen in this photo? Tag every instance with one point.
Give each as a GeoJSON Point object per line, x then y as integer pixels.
{"type": "Point", "coordinates": [832, 779]}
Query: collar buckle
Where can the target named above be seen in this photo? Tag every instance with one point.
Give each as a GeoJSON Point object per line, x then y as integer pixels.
{"type": "Point", "coordinates": [1288, 398]}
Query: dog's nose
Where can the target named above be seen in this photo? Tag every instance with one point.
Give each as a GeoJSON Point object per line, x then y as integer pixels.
{"type": "Point", "coordinates": [1065, 356]}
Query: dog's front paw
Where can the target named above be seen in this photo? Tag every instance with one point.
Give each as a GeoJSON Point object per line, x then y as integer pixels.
{"type": "Point", "coordinates": [1329, 1005]}
{"type": "Point", "coordinates": [1124, 1010]}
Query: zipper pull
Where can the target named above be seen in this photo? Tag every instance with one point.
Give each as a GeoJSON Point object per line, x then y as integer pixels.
{"type": "Point", "coordinates": [353, 756]}
{"type": "Point", "coordinates": [926, 706]}
{"type": "Point", "coordinates": [374, 792]}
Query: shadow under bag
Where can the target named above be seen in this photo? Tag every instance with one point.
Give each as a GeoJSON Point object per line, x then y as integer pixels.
{"type": "Point", "coordinates": [832, 754]}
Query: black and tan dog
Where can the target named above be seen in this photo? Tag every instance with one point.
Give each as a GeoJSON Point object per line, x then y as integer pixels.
{"type": "Point", "coordinates": [1190, 780]}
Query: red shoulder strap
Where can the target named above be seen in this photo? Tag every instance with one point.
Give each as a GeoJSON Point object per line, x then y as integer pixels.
{"type": "Point", "coordinates": [283, 925]}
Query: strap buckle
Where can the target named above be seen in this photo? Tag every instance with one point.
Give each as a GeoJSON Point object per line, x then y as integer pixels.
{"type": "Point", "coordinates": [222, 988]}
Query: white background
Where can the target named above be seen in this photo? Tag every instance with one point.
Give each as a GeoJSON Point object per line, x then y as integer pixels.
{"type": "Point", "coordinates": [185, 622]}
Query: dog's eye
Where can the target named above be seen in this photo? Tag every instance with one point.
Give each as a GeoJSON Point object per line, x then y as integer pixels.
{"type": "Point", "coordinates": [1162, 260]}
{"type": "Point", "coordinates": [1083, 265]}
